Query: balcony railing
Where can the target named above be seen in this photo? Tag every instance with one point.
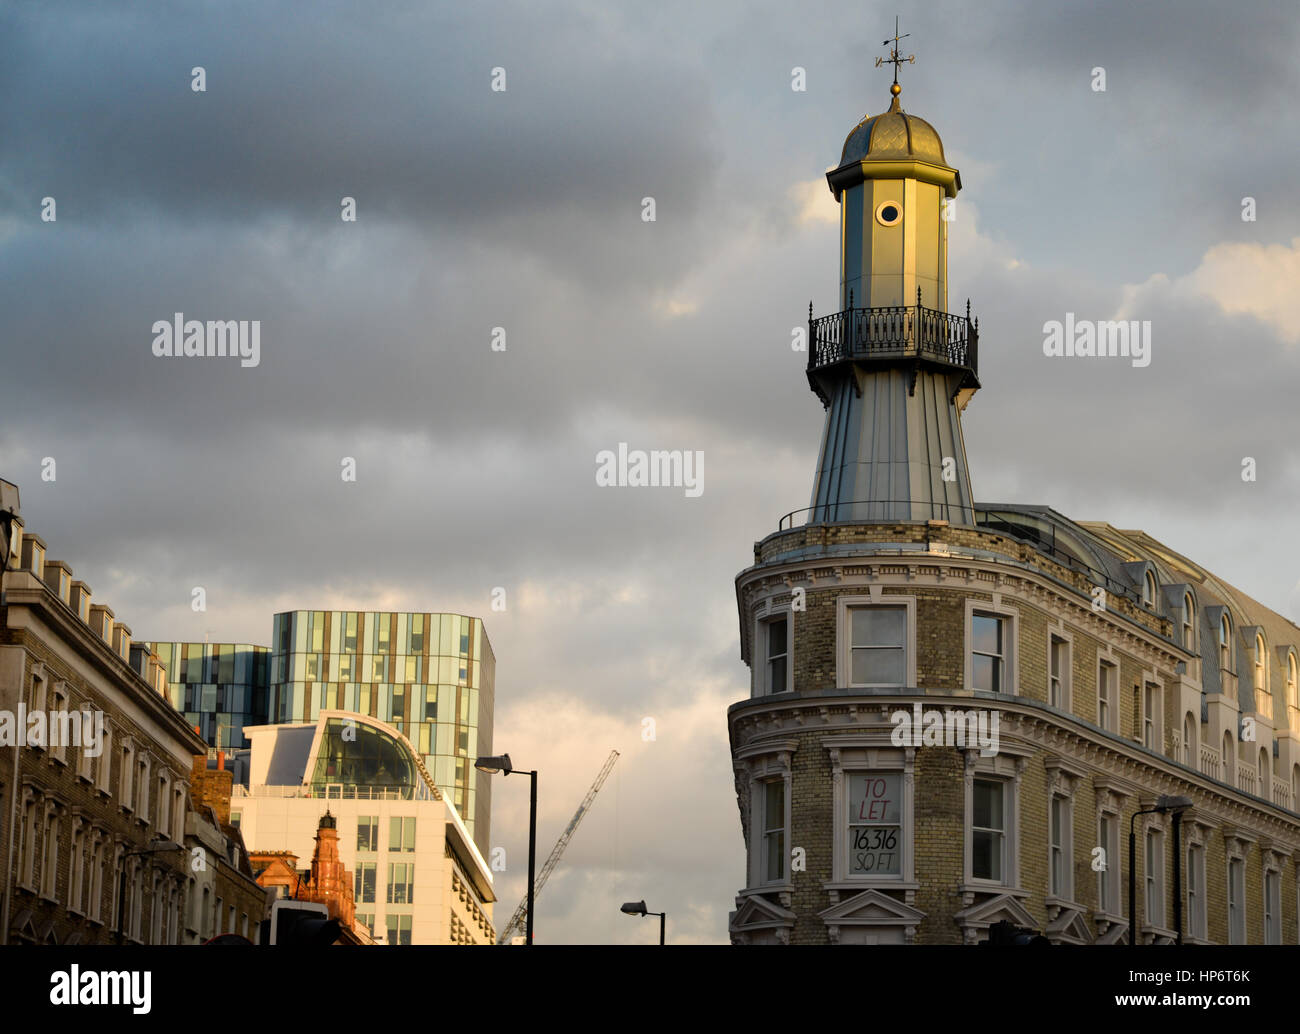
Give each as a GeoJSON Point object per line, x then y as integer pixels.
{"type": "Point", "coordinates": [1281, 792]}
{"type": "Point", "coordinates": [1245, 778]}
{"type": "Point", "coordinates": [1209, 761]}
{"type": "Point", "coordinates": [894, 332]}
{"type": "Point", "coordinates": [1009, 523]}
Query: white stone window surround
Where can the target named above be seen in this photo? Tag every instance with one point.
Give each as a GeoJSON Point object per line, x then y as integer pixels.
{"type": "Point", "coordinates": [1110, 796]}
{"type": "Point", "coordinates": [1010, 641]}
{"type": "Point", "coordinates": [1105, 658]}
{"type": "Point", "coordinates": [1063, 779]}
{"type": "Point", "coordinates": [1008, 769]}
{"type": "Point", "coordinates": [1058, 631]}
{"type": "Point", "coordinates": [870, 752]}
{"type": "Point", "coordinates": [1153, 829]}
{"type": "Point", "coordinates": [762, 763]}
{"type": "Point", "coordinates": [1271, 862]}
{"type": "Point", "coordinates": [763, 615]}
{"type": "Point", "coordinates": [1236, 849]}
{"type": "Point", "coordinates": [844, 605]}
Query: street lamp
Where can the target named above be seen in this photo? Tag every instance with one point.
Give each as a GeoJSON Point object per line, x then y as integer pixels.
{"type": "Point", "coordinates": [491, 764]}
{"type": "Point", "coordinates": [159, 843]}
{"type": "Point", "coordinates": [637, 908]}
{"type": "Point", "coordinates": [1164, 803]}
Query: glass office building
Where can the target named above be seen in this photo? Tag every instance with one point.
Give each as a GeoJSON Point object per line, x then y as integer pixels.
{"type": "Point", "coordinates": [220, 687]}
{"type": "Point", "coordinates": [430, 676]}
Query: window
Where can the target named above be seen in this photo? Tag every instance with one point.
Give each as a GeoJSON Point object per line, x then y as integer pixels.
{"type": "Point", "coordinates": [399, 928]}
{"type": "Point", "coordinates": [1155, 878]}
{"type": "Point", "coordinates": [50, 852]}
{"type": "Point", "coordinates": [888, 213]}
{"type": "Point", "coordinates": [142, 787]}
{"type": "Point", "coordinates": [1151, 709]}
{"type": "Point", "coordinates": [1229, 767]}
{"type": "Point", "coordinates": [127, 771]}
{"type": "Point", "coordinates": [1107, 681]}
{"type": "Point", "coordinates": [1189, 623]}
{"type": "Point", "coordinates": [1225, 643]}
{"type": "Point", "coordinates": [773, 857]}
{"type": "Point", "coordinates": [368, 833]}
{"type": "Point", "coordinates": [401, 883]}
{"type": "Point", "coordinates": [367, 920]}
{"type": "Point", "coordinates": [1108, 898]}
{"type": "Point", "coordinates": [1292, 681]}
{"type": "Point", "coordinates": [401, 834]}
{"type": "Point", "coordinates": [1059, 844]}
{"type": "Point", "coordinates": [1272, 907]}
{"type": "Point", "coordinates": [988, 653]}
{"type": "Point", "coordinates": [775, 634]}
{"type": "Point", "coordinates": [875, 823]}
{"type": "Point", "coordinates": [1236, 901]}
{"type": "Point", "coordinates": [57, 732]}
{"type": "Point", "coordinates": [988, 830]}
{"type": "Point", "coordinates": [1264, 772]}
{"type": "Point", "coordinates": [85, 762]}
{"type": "Point", "coordinates": [104, 763]}
{"type": "Point", "coordinates": [364, 891]}
{"type": "Point", "coordinates": [1191, 741]}
{"type": "Point", "coordinates": [1196, 891]}
{"type": "Point", "coordinates": [1149, 589]}
{"type": "Point", "coordinates": [1261, 676]}
{"type": "Point", "coordinates": [77, 867]}
{"type": "Point", "coordinates": [1058, 684]}
{"type": "Point", "coordinates": [878, 646]}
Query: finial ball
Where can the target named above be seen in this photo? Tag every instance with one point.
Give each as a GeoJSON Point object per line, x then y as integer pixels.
{"type": "Point", "coordinates": [895, 89]}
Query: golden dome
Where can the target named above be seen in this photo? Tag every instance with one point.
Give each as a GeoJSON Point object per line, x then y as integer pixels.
{"type": "Point", "coordinates": [893, 135]}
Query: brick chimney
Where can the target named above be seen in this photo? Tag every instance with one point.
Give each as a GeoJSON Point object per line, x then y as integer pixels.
{"type": "Point", "coordinates": [210, 788]}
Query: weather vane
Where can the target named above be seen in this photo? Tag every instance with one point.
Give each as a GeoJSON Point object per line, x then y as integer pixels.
{"type": "Point", "coordinates": [894, 58]}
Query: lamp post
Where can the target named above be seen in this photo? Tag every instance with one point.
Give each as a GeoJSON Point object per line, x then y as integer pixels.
{"type": "Point", "coordinates": [637, 908]}
{"type": "Point", "coordinates": [1164, 803]}
{"type": "Point", "coordinates": [492, 764]}
{"type": "Point", "coordinates": [157, 845]}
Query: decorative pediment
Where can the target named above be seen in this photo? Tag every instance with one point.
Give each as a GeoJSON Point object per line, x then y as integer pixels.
{"type": "Point", "coordinates": [871, 908]}
{"type": "Point", "coordinates": [976, 919]}
{"type": "Point", "coordinates": [1069, 927]}
{"type": "Point", "coordinates": [758, 915]}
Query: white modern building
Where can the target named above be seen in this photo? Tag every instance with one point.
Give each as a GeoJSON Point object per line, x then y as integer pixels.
{"type": "Point", "coordinates": [419, 878]}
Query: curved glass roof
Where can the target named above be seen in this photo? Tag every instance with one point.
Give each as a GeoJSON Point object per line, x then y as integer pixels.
{"type": "Point", "coordinates": [354, 753]}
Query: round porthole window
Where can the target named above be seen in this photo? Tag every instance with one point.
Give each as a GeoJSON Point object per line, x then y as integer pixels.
{"type": "Point", "coordinates": [889, 213]}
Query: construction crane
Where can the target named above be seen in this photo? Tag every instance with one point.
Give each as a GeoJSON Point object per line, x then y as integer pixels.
{"type": "Point", "coordinates": [517, 920]}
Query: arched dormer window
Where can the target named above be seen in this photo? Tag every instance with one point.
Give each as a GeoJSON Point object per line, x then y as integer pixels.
{"type": "Point", "coordinates": [1189, 623]}
{"type": "Point", "coordinates": [1149, 589]}
{"type": "Point", "coordinates": [1261, 664]}
{"type": "Point", "coordinates": [1225, 643]}
{"type": "Point", "coordinates": [1292, 681]}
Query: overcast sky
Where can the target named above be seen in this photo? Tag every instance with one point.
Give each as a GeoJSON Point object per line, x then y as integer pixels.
{"type": "Point", "coordinates": [522, 209]}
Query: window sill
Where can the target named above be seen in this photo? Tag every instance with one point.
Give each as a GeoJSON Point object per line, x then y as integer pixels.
{"type": "Point", "coordinates": [992, 887]}
{"type": "Point", "coordinates": [870, 882]}
{"type": "Point", "coordinates": [1146, 930]}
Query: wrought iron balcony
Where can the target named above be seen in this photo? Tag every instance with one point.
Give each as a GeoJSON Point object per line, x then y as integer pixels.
{"type": "Point", "coordinates": [893, 333]}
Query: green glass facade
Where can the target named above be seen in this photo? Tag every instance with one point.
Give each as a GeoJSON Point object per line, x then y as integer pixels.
{"type": "Point", "coordinates": [220, 687]}
{"type": "Point", "coordinates": [430, 676]}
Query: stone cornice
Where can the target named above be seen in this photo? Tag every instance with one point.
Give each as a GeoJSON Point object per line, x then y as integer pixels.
{"type": "Point", "coordinates": [1115, 763]}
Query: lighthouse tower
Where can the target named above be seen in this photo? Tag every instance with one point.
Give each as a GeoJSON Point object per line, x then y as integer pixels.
{"type": "Point", "coordinates": [893, 368]}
